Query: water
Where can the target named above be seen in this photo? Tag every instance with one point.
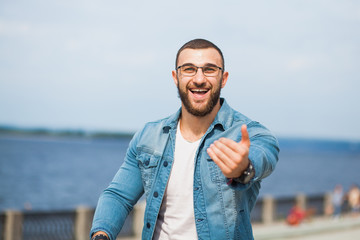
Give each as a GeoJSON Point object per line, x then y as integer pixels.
{"type": "Point", "coordinates": [313, 167]}
{"type": "Point", "coordinates": [57, 173]}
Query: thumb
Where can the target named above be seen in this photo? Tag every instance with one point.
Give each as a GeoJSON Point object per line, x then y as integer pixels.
{"type": "Point", "coordinates": [245, 136]}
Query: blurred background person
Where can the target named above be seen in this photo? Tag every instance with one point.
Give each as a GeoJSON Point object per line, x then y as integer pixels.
{"type": "Point", "coordinates": [337, 199]}
{"type": "Point", "coordinates": [353, 197]}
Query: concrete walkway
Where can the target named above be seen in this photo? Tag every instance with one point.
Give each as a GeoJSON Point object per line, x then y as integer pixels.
{"type": "Point", "coordinates": [347, 227]}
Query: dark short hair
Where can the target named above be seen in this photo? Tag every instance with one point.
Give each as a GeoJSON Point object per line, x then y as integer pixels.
{"type": "Point", "coordinates": [199, 44]}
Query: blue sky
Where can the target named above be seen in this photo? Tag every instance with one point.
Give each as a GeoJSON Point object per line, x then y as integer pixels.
{"type": "Point", "coordinates": [106, 65]}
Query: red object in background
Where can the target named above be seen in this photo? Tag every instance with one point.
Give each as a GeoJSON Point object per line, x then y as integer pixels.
{"type": "Point", "coordinates": [295, 216]}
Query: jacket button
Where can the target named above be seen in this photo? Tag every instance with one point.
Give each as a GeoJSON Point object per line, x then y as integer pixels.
{"type": "Point", "coordinates": [166, 164]}
{"type": "Point", "coordinates": [148, 225]}
{"type": "Point", "coordinates": [156, 194]}
{"type": "Point", "coordinates": [147, 162]}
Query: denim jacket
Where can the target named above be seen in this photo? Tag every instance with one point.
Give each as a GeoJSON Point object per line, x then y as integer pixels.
{"type": "Point", "coordinates": [221, 210]}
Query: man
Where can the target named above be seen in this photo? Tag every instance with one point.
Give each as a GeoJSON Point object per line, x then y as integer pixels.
{"type": "Point", "coordinates": [200, 169]}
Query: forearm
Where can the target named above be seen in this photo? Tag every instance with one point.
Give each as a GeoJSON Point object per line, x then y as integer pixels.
{"type": "Point", "coordinates": [117, 201]}
{"type": "Point", "coordinates": [263, 154]}
{"type": "Point", "coordinates": [109, 216]}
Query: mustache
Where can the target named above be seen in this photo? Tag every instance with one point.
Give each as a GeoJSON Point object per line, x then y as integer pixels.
{"type": "Point", "coordinates": [198, 85]}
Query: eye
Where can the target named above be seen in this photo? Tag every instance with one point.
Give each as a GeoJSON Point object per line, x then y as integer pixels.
{"type": "Point", "coordinates": [210, 69]}
{"type": "Point", "coordinates": [188, 69]}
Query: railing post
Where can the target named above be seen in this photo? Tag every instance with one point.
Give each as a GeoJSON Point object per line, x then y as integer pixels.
{"type": "Point", "coordinates": [138, 221]}
{"type": "Point", "coordinates": [83, 220]}
{"type": "Point", "coordinates": [301, 201]}
{"type": "Point", "coordinates": [328, 206]}
{"type": "Point", "coordinates": [13, 225]}
{"type": "Point", "coordinates": [268, 210]}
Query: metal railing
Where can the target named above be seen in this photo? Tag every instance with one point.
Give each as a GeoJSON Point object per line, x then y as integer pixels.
{"type": "Point", "coordinates": [2, 224]}
{"type": "Point", "coordinates": [48, 225]}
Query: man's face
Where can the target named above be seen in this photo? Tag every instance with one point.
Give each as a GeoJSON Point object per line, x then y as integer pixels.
{"type": "Point", "coordinates": [199, 93]}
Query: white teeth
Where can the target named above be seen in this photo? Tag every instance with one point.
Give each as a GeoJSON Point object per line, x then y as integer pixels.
{"type": "Point", "coordinates": [199, 90]}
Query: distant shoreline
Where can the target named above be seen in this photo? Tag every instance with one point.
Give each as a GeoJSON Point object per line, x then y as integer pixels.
{"type": "Point", "coordinates": [42, 131]}
{"type": "Point", "coordinates": [63, 132]}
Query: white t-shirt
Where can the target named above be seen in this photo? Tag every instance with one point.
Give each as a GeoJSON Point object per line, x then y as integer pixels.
{"type": "Point", "coordinates": [176, 217]}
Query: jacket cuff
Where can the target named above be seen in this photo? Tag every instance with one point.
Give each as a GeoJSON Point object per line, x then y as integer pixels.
{"type": "Point", "coordinates": [97, 229]}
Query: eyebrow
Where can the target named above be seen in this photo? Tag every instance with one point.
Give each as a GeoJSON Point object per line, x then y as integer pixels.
{"type": "Point", "coordinates": [205, 65]}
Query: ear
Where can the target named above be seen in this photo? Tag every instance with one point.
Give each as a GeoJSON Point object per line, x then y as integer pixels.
{"type": "Point", "coordinates": [174, 75]}
{"type": "Point", "coordinates": [225, 78]}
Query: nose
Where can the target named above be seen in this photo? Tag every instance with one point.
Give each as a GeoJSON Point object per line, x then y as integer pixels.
{"type": "Point", "coordinates": [199, 77]}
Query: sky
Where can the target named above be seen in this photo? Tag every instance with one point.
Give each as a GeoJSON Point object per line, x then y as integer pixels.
{"type": "Point", "coordinates": [106, 65]}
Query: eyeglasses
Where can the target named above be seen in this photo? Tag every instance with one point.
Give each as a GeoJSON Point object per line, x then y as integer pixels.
{"type": "Point", "coordinates": [191, 70]}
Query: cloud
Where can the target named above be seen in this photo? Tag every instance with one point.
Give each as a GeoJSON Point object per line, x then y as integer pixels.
{"type": "Point", "coordinates": [298, 64]}
{"type": "Point", "coordinates": [13, 28]}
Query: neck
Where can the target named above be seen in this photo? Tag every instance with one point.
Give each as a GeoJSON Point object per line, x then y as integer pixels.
{"type": "Point", "coordinates": [193, 127]}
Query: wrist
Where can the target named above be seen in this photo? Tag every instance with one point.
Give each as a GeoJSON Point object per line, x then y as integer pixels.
{"type": "Point", "coordinates": [100, 236]}
{"type": "Point", "coordinates": [247, 174]}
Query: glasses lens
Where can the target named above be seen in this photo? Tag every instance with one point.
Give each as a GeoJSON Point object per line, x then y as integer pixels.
{"type": "Point", "coordinates": [211, 71]}
{"type": "Point", "coordinates": [188, 70]}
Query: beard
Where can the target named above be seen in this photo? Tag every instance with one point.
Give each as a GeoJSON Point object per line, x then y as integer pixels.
{"type": "Point", "coordinates": [210, 104]}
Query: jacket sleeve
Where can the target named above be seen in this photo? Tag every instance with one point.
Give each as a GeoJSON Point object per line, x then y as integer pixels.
{"type": "Point", "coordinates": [263, 153]}
{"type": "Point", "coordinates": [119, 198]}
{"type": "Point", "coordinates": [264, 150]}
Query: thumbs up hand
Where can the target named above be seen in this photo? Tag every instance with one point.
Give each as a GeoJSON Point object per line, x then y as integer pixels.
{"type": "Point", "coordinates": [230, 156]}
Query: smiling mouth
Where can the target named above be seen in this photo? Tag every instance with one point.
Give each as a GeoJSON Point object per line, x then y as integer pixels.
{"type": "Point", "coordinates": [200, 91]}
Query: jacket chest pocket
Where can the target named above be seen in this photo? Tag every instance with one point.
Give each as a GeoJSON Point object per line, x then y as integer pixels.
{"type": "Point", "coordinates": [148, 166]}
{"type": "Point", "coordinates": [214, 171]}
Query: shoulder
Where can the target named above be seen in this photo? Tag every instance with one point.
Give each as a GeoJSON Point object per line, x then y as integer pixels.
{"type": "Point", "coordinates": [230, 117]}
{"type": "Point", "coordinates": [162, 125]}
{"type": "Point", "coordinates": [235, 119]}
{"type": "Point", "coordinates": [154, 131]}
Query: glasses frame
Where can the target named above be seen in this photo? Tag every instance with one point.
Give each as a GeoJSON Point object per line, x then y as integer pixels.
{"type": "Point", "coordinates": [197, 68]}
